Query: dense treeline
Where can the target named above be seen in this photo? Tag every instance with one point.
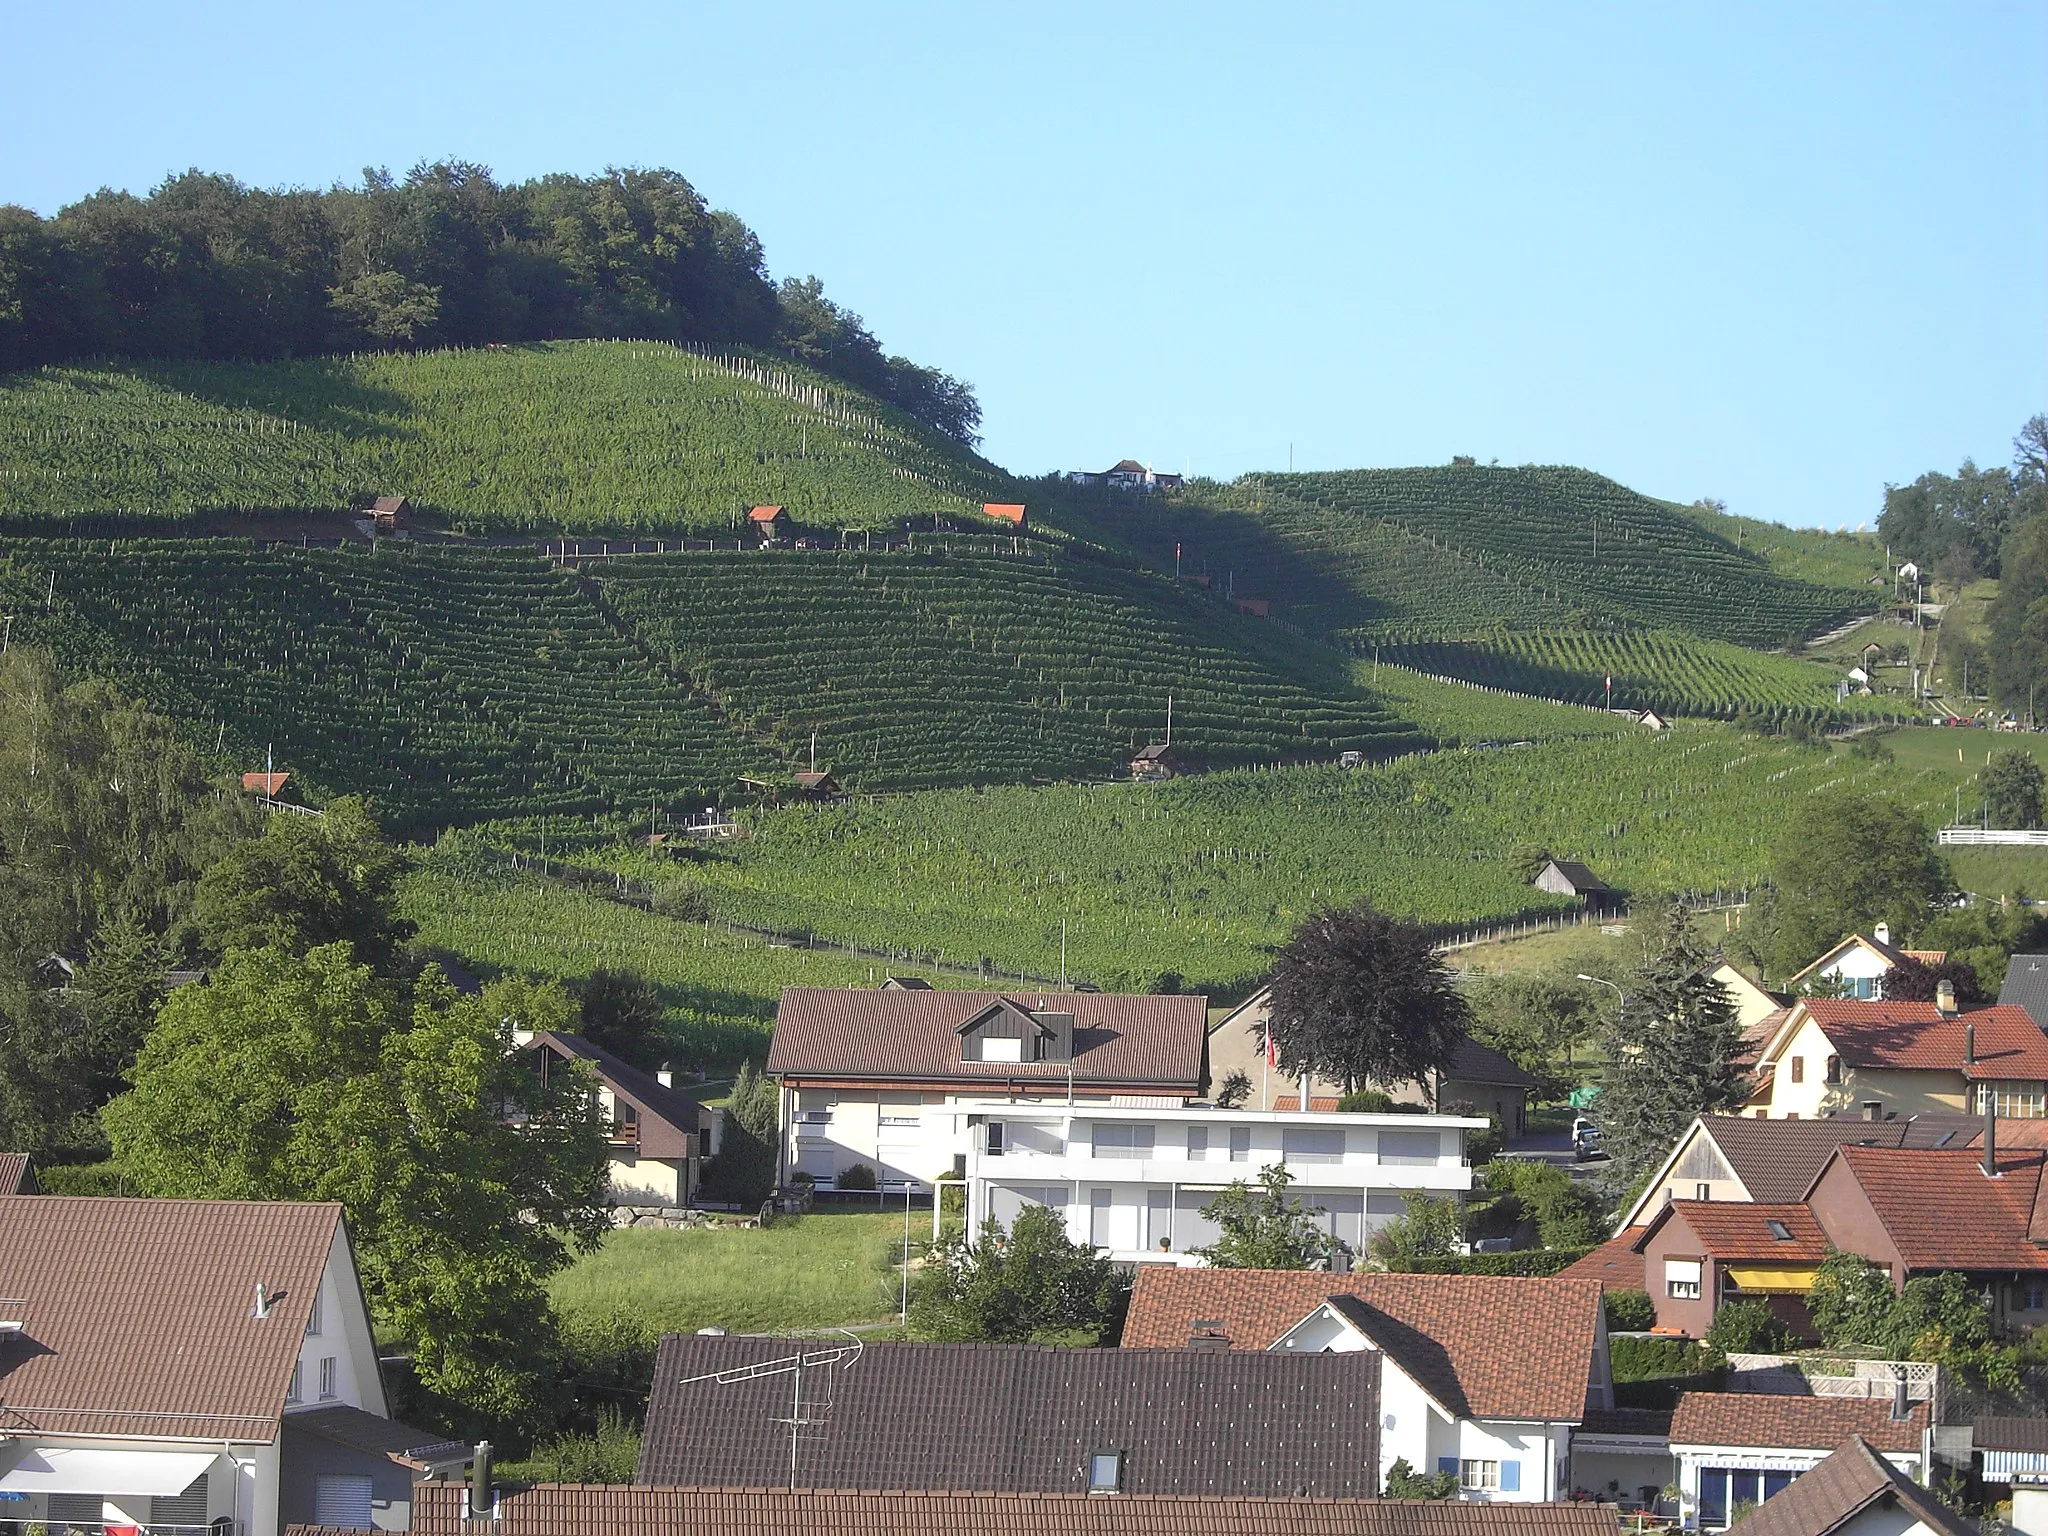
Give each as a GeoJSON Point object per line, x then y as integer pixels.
{"type": "Point", "coordinates": [1955, 527]}
{"type": "Point", "coordinates": [204, 267]}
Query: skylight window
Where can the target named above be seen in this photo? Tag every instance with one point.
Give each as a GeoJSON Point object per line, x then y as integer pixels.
{"type": "Point", "coordinates": [1106, 1472]}
{"type": "Point", "coordinates": [1780, 1233]}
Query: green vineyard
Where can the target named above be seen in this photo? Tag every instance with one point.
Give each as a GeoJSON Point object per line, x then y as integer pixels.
{"type": "Point", "coordinates": [1672, 673]}
{"type": "Point", "coordinates": [1419, 553]}
{"type": "Point", "coordinates": [915, 670]}
{"type": "Point", "coordinates": [561, 437]}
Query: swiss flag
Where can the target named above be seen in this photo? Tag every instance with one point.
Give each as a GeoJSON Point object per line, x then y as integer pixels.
{"type": "Point", "coordinates": [1272, 1056]}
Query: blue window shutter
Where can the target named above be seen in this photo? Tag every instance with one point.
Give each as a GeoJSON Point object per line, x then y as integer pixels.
{"type": "Point", "coordinates": [1447, 1464]}
{"type": "Point", "coordinates": [1511, 1477]}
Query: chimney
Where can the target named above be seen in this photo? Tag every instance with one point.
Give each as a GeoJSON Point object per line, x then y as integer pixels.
{"type": "Point", "coordinates": [1208, 1337]}
{"type": "Point", "coordinates": [1990, 1134]}
{"type": "Point", "coordinates": [665, 1075]}
{"type": "Point", "coordinates": [1945, 998]}
{"type": "Point", "coordinates": [1902, 1408]}
{"type": "Point", "coordinates": [1873, 1111]}
{"type": "Point", "coordinates": [1969, 1042]}
{"type": "Point", "coordinates": [264, 1301]}
{"type": "Point", "coordinates": [1883, 933]}
{"type": "Point", "coordinates": [480, 1497]}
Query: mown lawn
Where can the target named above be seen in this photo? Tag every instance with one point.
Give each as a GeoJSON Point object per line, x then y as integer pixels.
{"type": "Point", "coordinates": [806, 1272]}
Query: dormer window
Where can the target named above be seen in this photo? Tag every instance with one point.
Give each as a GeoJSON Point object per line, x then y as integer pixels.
{"type": "Point", "coordinates": [1106, 1471]}
{"type": "Point", "coordinates": [1002, 1048]}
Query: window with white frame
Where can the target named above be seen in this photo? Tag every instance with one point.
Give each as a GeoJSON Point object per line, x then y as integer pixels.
{"type": "Point", "coordinates": [1121, 1140]}
{"type": "Point", "coordinates": [1240, 1143]}
{"type": "Point", "coordinates": [1198, 1143]}
{"type": "Point", "coordinates": [296, 1392]}
{"type": "Point", "coordinates": [1479, 1476]}
{"type": "Point", "coordinates": [2013, 1100]}
{"type": "Point", "coordinates": [992, 1141]}
{"type": "Point", "coordinates": [1318, 1144]}
{"type": "Point", "coordinates": [1106, 1471]}
{"type": "Point", "coordinates": [1001, 1048]}
{"type": "Point", "coordinates": [313, 1317]}
{"type": "Point", "coordinates": [1682, 1279]}
{"type": "Point", "coordinates": [327, 1388]}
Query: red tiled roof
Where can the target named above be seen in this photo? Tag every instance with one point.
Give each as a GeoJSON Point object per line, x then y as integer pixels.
{"type": "Point", "coordinates": [1503, 1347]}
{"type": "Point", "coordinates": [264, 783]}
{"type": "Point", "coordinates": [1616, 1263]}
{"type": "Point", "coordinates": [1005, 511]}
{"type": "Point", "coordinates": [764, 514]}
{"type": "Point", "coordinates": [568, 1509]}
{"type": "Point", "coordinates": [1756, 1037]}
{"type": "Point", "coordinates": [1737, 1231]}
{"type": "Point", "coordinates": [1852, 1480]}
{"type": "Point", "coordinates": [1941, 1212]}
{"type": "Point", "coordinates": [825, 1032]}
{"type": "Point", "coordinates": [1318, 1104]}
{"type": "Point", "coordinates": [137, 1312]}
{"type": "Point", "coordinates": [1920, 1037]}
{"type": "Point", "coordinates": [1785, 1422]}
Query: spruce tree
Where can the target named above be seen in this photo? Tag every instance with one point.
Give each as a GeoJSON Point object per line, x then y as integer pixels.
{"type": "Point", "coordinates": [1667, 1053]}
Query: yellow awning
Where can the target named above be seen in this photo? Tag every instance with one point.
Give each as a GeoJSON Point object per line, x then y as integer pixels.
{"type": "Point", "coordinates": [1775, 1277]}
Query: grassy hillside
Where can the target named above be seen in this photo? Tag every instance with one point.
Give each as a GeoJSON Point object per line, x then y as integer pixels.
{"type": "Point", "coordinates": [1197, 875]}
{"type": "Point", "coordinates": [1805, 554]}
{"type": "Point", "coordinates": [968, 668]}
{"type": "Point", "coordinates": [566, 436]}
{"type": "Point", "coordinates": [1668, 671]}
{"type": "Point", "coordinates": [1369, 555]}
{"type": "Point", "coordinates": [456, 685]}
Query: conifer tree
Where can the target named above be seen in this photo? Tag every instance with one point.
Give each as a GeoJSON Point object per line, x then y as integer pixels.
{"type": "Point", "coordinates": [1667, 1053]}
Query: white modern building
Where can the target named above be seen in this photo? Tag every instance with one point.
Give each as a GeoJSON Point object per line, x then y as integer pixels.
{"type": "Point", "coordinates": [1133, 1179]}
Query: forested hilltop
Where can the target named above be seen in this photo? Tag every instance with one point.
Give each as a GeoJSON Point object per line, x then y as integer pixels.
{"type": "Point", "coordinates": [205, 267]}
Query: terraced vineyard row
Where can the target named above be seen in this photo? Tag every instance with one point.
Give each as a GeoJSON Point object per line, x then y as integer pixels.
{"type": "Point", "coordinates": [559, 437]}
{"type": "Point", "coordinates": [1673, 673]}
{"type": "Point", "coordinates": [1621, 554]}
{"type": "Point", "coordinates": [446, 685]}
{"type": "Point", "coordinates": [966, 668]}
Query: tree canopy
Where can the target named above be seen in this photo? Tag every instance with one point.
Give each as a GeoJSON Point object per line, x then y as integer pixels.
{"type": "Point", "coordinates": [1007, 1287]}
{"type": "Point", "coordinates": [310, 1077]}
{"type": "Point", "coordinates": [1362, 998]}
{"type": "Point", "coordinates": [445, 255]}
{"type": "Point", "coordinates": [1264, 1229]}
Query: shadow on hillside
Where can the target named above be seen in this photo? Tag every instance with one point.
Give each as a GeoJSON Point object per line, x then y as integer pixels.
{"type": "Point", "coordinates": [328, 394]}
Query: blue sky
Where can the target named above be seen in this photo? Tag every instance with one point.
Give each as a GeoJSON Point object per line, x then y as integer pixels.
{"type": "Point", "coordinates": [1776, 254]}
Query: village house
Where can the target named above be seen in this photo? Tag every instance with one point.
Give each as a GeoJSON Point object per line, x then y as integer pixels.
{"type": "Point", "coordinates": [1854, 1492]}
{"type": "Point", "coordinates": [1698, 1255]}
{"type": "Point", "coordinates": [1857, 966]}
{"type": "Point", "coordinates": [194, 1368]}
{"type": "Point", "coordinates": [1753, 1002]}
{"type": "Point", "coordinates": [1476, 1075]}
{"type": "Point", "coordinates": [1743, 1448]}
{"type": "Point", "coordinates": [637, 1510]}
{"type": "Point", "coordinates": [1010, 1418]}
{"type": "Point", "coordinates": [659, 1140]}
{"type": "Point", "coordinates": [2008, 1449]}
{"type": "Point", "coordinates": [1916, 1211]}
{"type": "Point", "coordinates": [1898, 1058]}
{"type": "Point", "coordinates": [1133, 1179]}
{"type": "Point", "coordinates": [1126, 475]}
{"type": "Point", "coordinates": [1568, 877]}
{"type": "Point", "coordinates": [1485, 1376]}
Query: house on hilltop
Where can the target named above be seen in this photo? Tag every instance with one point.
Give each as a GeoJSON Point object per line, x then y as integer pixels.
{"type": "Point", "coordinates": [1126, 475]}
{"type": "Point", "coordinates": [187, 1366]}
{"type": "Point", "coordinates": [1858, 966]}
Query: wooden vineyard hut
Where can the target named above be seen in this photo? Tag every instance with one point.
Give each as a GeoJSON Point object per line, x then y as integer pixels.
{"type": "Point", "coordinates": [1158, 761]}
{"type": "Point", "coordinates": [389, 515]}
{"type": "Point", "coordinates": [816, 784]}
{"type": "Point", "coordinates": [1011, 512]}
{"type": "Point", "coordinates": [1568, 877]}
{"type": "Point", "coordinates": [770, 523]}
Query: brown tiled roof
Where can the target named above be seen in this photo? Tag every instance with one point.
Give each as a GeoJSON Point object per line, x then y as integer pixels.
{"type": "Point", "coordinates": [1006, 511]}
{"type": "Point", "coordinates": [1473, 1062]}
{"type": "Point", "coordinates": [360, 1431]}
{"type": "Point", "coordinates": [572, 1510]}
{"type": "Point", "coordinates": [1756, 1037]}
{"type": "Point", "coordinates": [1777, 1160]}
{"type": "Point", "coordinates": [264, 783]}
{"type": "Point", "coordinates": [1649, 1422]}
{"type": "Point", "coordinates": [391, 504]}
{"type": "Point", "coordinates": [1852, 1480]}
{"type": "Point", "coordinates": [1792, 1423]}
{"type": "Point", "coordinates": [1920, 1037]}
{"type": "Point", "coordinates": [1504, 1348]}
{"type": "Point", "coordinates": [1616, 1263]}
{"type": "Point", "coordinates": [668, 1121]}
{"type": "Point", "coordinates": [1993, 1433]}
{"type": "Point", "coordinates": [17, 1174]}
{"type": "Point", "coordinates": [764, 514]}
{"type": "Point", "coordinates": [1581, 877]}
{"type": "Point", "coordinates": [1118, 1038]}
{"type": "Point", "coordinates": [1941, 1212]}
{"type": "Point", "coordinates": [1017, 1418]}
{"type": "Point", "coordinates": [1735, 1230]}
{"type": "Point", "coordinates": [137, 1312]}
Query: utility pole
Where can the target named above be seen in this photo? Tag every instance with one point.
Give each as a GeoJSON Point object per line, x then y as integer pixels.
{"type": "Point", "coordinates": [1063, 951]}
{"type": "Point", "coordinates": [1169, 719]}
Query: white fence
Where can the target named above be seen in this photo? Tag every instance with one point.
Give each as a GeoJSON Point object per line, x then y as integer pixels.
{"type": "Point", "coordinates": [1979, 837]}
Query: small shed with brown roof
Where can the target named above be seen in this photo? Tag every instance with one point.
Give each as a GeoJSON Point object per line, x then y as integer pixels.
{"type": "Point", "coordinates": [559, 1509]}
{"type": "Point", "coordinates": [1011, 512]}
{"type": "Point", "coordinates": [770, 524]}
{"type": "Point", "coordinates": [269, 785]}
{"type": "Point", "coordinates": [389, 515]}
{"type": "Point", "coordinates": [1157, 761]}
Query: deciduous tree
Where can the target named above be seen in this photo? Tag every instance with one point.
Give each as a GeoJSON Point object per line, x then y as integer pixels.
{"type": "Point", "coordinates": [1263, 1228]}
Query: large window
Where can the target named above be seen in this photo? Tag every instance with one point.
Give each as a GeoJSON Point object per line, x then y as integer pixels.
{"type": "Point", "coordinates": [2013, 1101]}
{"type": "Point", "coordinates": [1001, 1048]}
{"type": "Point", "coordinates": [1240, 1143]}
{"type": "Point", "coordinates": [1318, 1144]}
{"type": "Point", "coordinates": [1410, 1149]}
{"type": "Point", "coordinates": [1724, 1490]}
{"type": "Point", "coordinates": [1682, 1279]}
{"type": "Point", "coordinates": [1198, 1143]}
{"type": "Point", "coordinates": [1128, 1141]}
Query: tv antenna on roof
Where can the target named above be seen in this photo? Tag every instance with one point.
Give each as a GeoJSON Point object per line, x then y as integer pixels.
{"type": "Point", "coordinates": [844, 1356]}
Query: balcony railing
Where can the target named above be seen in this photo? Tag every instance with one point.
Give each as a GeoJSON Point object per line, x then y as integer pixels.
{"type": "Point", "coordinates": [221, 1527]}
